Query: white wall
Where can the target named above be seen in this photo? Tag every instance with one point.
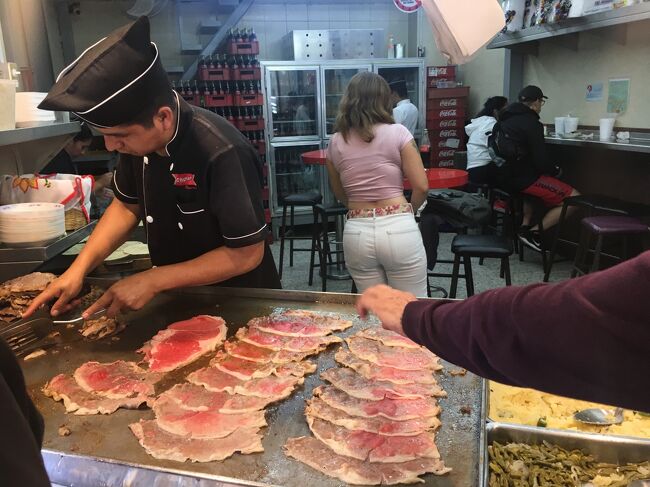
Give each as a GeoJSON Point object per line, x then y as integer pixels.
{"type": "Point", "coordinates": [484, 75]}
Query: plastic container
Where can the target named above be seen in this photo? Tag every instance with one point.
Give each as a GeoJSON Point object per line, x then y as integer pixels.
{"type": "Point", "coordinates": [606, 129]}
{"type": "Point", "coordinates": [560, 125]}
{"type": "Point", "coordinates": [571, 124]}
{"type": "Point", "coordinates": [8, 104]}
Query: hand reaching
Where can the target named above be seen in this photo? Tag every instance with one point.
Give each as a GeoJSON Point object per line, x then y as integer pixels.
{"type": "Point", "coordinates": [385, 303]}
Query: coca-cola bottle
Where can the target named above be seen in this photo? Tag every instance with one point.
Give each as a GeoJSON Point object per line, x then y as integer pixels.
{"type": "Point", "coordinates": [425, 149]}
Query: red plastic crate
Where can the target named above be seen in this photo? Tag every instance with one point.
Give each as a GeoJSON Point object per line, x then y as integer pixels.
{"type": "Point", "coordinates": [265, 193]}
{"type": "Point", "coordinates": [444, 123]}
{"type": "Point", "coordinates": [214, 74]}
{"type": "Point", "coordinates": [446, 113]}
{"type": "Point", "coordinates": [444, 103]}
{"type": "Point", "coordinates": [192, 99]}
{"type": "Point", "coordinates": [261, 147]}
{"type": "Point", "coordinates": [462, 92]}
{"type": "Point", "coordinates": [267, 215]}
{"type": "Point", "coordinates": [442, 72]}
{"type": "Point", "coordinates": [223, 100]}
{"type": "Point", "coordinates": [440, 144]}
{"type": "Point", "coordinates": [447, 133]}
{"type": "Point", "coordinates": [250, 125]}
{"type": "Point", "coordinates": [246, 74]}
{"type": "Point", "coordinates": [248, 100]}
{"type": "Point", "coordinates": [444, 162]}
{"type": "Point", "coordinates": [244, 47]}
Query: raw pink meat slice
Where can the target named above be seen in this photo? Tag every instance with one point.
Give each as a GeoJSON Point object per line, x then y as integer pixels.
{"type": "Point", "coordinates": [396, 357]}
{"type": "Point", "coordinates": [396, 409]}
{"type": "Point", "coordinates": [197, 398]}
{"type": "Point", "coordinates": [279, 342]}
{"type": "Point", "coordinates": [116, 380]}
{"type": "Point", "coordinates": [371, 446]}
{"type": "Point", "coordinates": [374, 372]}
{"type": "Point", "coordinates": [215, 380]}
{"type": "Point", "coordinates": [246, 370]}
{"type": "Point", "coordinates": [357, 386]}
{"type": "Point", "coordinates": [75, 399]}
{"type": "Point", "coordinates": [162, 445]}
{"type": "Point", "coordinates": [183, 342]}
{"type": "Point", "coordinates": [317, 455]}
{"type": "Point", "coordinates": [248, 351]}
{"type": "Point", "coordinates": [173, 418]}
{"type": "Point", "coordinates": [317, 408]}
{"type": "Point", "coordinates": [298, 325]}
{"type": "Point", "coordinates": [387, 337]}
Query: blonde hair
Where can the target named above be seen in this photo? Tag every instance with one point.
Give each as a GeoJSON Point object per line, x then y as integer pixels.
{"type": "Point", "coordinates": [367, 101]}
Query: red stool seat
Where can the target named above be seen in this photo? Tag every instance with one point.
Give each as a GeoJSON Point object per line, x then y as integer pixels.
{"type": "Point", "coordinates": [615, 225]}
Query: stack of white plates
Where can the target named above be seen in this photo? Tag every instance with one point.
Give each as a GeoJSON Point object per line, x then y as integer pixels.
{"type": "Point", "coordinates": [31, 224]}
{"type": "Point", "coordinates": [27, 111]}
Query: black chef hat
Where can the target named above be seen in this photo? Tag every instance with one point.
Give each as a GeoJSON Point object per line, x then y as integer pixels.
{"type": "Point", "coordinates": [112, 81]}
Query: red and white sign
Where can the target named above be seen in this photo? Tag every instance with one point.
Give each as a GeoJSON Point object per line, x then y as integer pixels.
{"type": "Point", "coordinates": [184, 180]}
{"type": "Point", "coordinates": [408, 6]}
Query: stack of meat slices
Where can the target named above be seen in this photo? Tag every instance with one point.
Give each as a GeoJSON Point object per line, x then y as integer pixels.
{"type": "Point", "coordinates": [17, 294]}
{"type": "Point", "coordinates": [220, 410]}
{"type": "Point", "coordinates": [374, 424]}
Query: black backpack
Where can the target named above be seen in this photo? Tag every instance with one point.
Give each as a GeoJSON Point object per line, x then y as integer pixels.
{"type": "Point", "coordinates": [503, 146]}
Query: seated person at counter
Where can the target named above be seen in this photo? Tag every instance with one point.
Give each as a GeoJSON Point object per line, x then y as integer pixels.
{"type": "Point", "coordinates": [191, 176]}
{"type": "Point", "coordinates": [63, 163]}
{"type": "Point", "coordinates": [405, 112]}
{"type": "Point", "coordinates": [480, 166]}
{"type": "Point", "coordinates": [585, 338]}
{"type": "Point", "coordinates": [534, 174]}
{"type": "Point", "coordinates": [367, 160]}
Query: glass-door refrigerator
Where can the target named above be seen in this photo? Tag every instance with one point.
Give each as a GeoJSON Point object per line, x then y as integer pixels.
{"type": "Point", "coordinates": [335, 79]}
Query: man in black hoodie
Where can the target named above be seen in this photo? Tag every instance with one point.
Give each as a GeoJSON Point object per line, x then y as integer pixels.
{"type": "Point", "coordinates": [533, 174]}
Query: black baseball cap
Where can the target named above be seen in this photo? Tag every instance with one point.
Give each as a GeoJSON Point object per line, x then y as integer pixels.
{"type": "Point", "coordinates": [531, 93]}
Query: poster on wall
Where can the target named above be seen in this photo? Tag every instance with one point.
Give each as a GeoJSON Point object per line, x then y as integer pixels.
{"type": "Point", "coordinates": [595, 91]}
{"type": "Point", "coordinates": [618, 95]}
{"type": "Point", "coordinates": [408, 6]}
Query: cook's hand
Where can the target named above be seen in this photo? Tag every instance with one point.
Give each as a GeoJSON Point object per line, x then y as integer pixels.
{"type": "Point", "coordinates": [65, 288]}
{"type": "Point", "coordinates": [385, 303]}
{"type": "Point", "coordinates": [131, 293]}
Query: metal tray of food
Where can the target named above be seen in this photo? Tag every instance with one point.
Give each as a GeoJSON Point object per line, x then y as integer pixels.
{"type": "Point", "coordinates": [102, 451]}
{"type": "Point", "coordinates": [604, 448]}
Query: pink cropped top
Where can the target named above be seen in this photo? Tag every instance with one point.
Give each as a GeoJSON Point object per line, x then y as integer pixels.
{"type": "Point", "coordinates": [371, 171]}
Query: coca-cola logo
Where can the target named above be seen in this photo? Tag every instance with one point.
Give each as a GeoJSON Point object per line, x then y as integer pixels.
{"type": "Point", "coordinates": [451, 102]}
{"type": "Point", "coordinates": [448, 113]}
{"type": "Point", "coordinates": [442, 143]}
{"type": "Point", "coordinates": [446, 153]}
{"type": "Point", "coordinates": [447, 134]}
{"type": "Point", "coordinates": [446, 163]}
{"type": "Point", "coordinates": [449, 123]}
{"type": "Point", "coordinates": [439, 71]}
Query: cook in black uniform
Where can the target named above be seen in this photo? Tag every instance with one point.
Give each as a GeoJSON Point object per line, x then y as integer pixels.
{"type": "Point", "coordinates": [192, 177]}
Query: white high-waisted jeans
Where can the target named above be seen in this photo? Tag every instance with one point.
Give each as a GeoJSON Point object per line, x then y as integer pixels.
{"type": "Point", "coordinates": [386, 250]}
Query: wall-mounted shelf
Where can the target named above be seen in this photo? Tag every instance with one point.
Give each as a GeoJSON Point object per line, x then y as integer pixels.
{"type": "Point", "coordinates": [36, 132]}
{"type": "Point", "coordinates": [625, 15]}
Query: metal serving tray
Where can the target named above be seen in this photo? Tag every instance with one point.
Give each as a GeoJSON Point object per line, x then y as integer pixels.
{"type": "Point", "coordinates": [605, 448]}
{"type": "Point", "coordinates": [102, 451]}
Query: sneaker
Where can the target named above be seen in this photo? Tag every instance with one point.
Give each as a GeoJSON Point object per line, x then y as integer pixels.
{"type": "Point", "coordinates": [530, 239]}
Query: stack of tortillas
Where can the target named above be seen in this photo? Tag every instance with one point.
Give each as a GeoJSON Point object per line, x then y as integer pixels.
{"type": "Point", "coordinates": [127, 249]}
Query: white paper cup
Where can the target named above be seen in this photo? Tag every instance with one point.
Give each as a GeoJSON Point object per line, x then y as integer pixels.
{"type": "Point", "coordinates": [571, 124]}
{"type": "Point", "coordinates": [559, 125]}
{"type": "Point", "coordinates": [606, 128]}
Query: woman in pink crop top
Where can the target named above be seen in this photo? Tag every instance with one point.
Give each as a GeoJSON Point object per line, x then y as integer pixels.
{"type": "Point", "coordinates": [368, 158]}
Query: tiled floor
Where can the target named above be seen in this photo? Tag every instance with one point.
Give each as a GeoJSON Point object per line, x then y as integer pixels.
{"type": "Point", "coordinates": [485, 276]}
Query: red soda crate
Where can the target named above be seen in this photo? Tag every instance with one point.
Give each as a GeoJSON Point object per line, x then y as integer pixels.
{"type": "Point", "coordinates": [250, 125]}
{"type": "Point", "coordinates": [442, 72]}
{"type": "Point", "coordinates": [448, 133]}
{"type": "Point", "coordinates": [265, 193]}
{"type": "Point", "coordinates": [214, 74]}
{"type": "Point", "coordinates": [244, 47]}
{"type": "Point", "coordinates": [267, 215]}
{"type": "Point", "coordinates": [261, 147]}
{"type": "Point", "coordinates": [450, 143]}
{"type": "Point", "coordinates": [446, 113]}
{"type": "Point", "coordinates": [444, 153]}
{"type": "Point", "coordinates": [462, 92]}
{"type": "Point", "coordinates": [247, 100]}
{"type": "Point", "coordinates": [218, 100]}
{"type": "Point", "coordinates": [247, 74]}
{"type": "Point", "coordinates": [444, 123]}
{"type": "Point", "coordinates": [192, 99]}
{"type": "Point", "coordinates": [444, 103]}
{"type": "Point", "coordinates": [444, 162]}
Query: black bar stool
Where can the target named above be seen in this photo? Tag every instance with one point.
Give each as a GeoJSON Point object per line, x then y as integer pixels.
{"type": "Point", "coordinates": [310, 198]}
{"type": "Point", "coordinates": [623, 227]}
{"type": "Point", "coordinates": [323, 245]}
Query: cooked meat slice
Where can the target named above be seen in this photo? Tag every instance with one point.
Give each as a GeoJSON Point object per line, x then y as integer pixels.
{"type": "Point", "coordinates": [162, 445]}
{"type": "Point", "coordinates": [317, 455]}
{"type": "Point", "coordinates": [216, 380]}
{"type": "Point", "coordinates": [75, 399]}
{"type": "Point", "coordinates": [387, 337]}
{"type": "Point", "coordinates": [358, 386]}
{"type": "Point", "coordinates": [371, 371]}
{"type": "Point", "coordinates": [116, 380]}
{"type": "Point", "coordinates": [248, 351]}
{"type": "Point", "coordinates": [101, 327]}
{"type": "Point", "coordinates": [396, 357]}
{"type": "Point", "coordinates": [197, 398]}
{"type": "Point", "coordinates": [318, 408]}
{"type": "Point", "coordinates": [173, 418]}
{"type": "Point", "coordinates": [296, 325]}
{"type": "Point", "coordinates": [334, 321]}
{"type": "Point", "coordinates": [371, 446]}
{"type": "Point", "coordinates": [183, 342]}
{"type": "Point", "coordinates": [31, 283]}
{"type": "Point", "coordinates": [396, 409]}
{"type": "Point", "coordinates": [279, 342]}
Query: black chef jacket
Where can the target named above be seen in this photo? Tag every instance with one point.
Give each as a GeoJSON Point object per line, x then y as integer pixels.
{"type": "Point", "coordinates": [21, 428]}
{"type": "Point", "coordinates": [206, 194]}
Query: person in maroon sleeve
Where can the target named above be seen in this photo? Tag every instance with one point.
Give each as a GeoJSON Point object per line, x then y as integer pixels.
{"type": "Point", "coordinates": [587, 338]}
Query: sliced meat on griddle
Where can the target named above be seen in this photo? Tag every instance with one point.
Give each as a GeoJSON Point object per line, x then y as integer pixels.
{"type": "Point", "coordinates": [175, 419]}
{"type": "Point", "coordinates": [387, 337]}
{"type": "Point", "coordinates": [310, 325]}
{"type": "Point", "coordinates": [197, 398]}
{"type": "Point", "coordinates": [358, 386]}
{"type": "Point", "coordinates": [317, 455]}
{"type": "Point", "coordinates": [396, 409]}
{"type": "Point", "coordinates": [17, 294]}
{"type": "Point", "coordinates": [116, 380]}
{"type": "Point", "coordinates": [216, 380]}
{"type": "Point", "coordinates": [102, 327]}
{"type": "Point", "coordinates": [397, 357]}
{"type": "Point", "coordinates": [246, 370]}
{"type": "Point", "coordinates": [75, 399]}
{"type": "Point", "coordinates": [162, 445]}
{"type": "Point", "coordinates": [279, 342]}
{"type": "Point", "coordinates": [375, 448]}
{"type": "Point", "coordinates": [183, 342]}
{"type": "Point", "coordinates": [318, 408]}
{"type": "Point", "coordinates": [248, 351]}
{"type": "Point", "coordinates": [371, 371]}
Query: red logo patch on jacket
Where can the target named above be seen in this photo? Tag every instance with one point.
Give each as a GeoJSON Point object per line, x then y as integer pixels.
{"type": "Point", "coordinates": [184, 180]}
